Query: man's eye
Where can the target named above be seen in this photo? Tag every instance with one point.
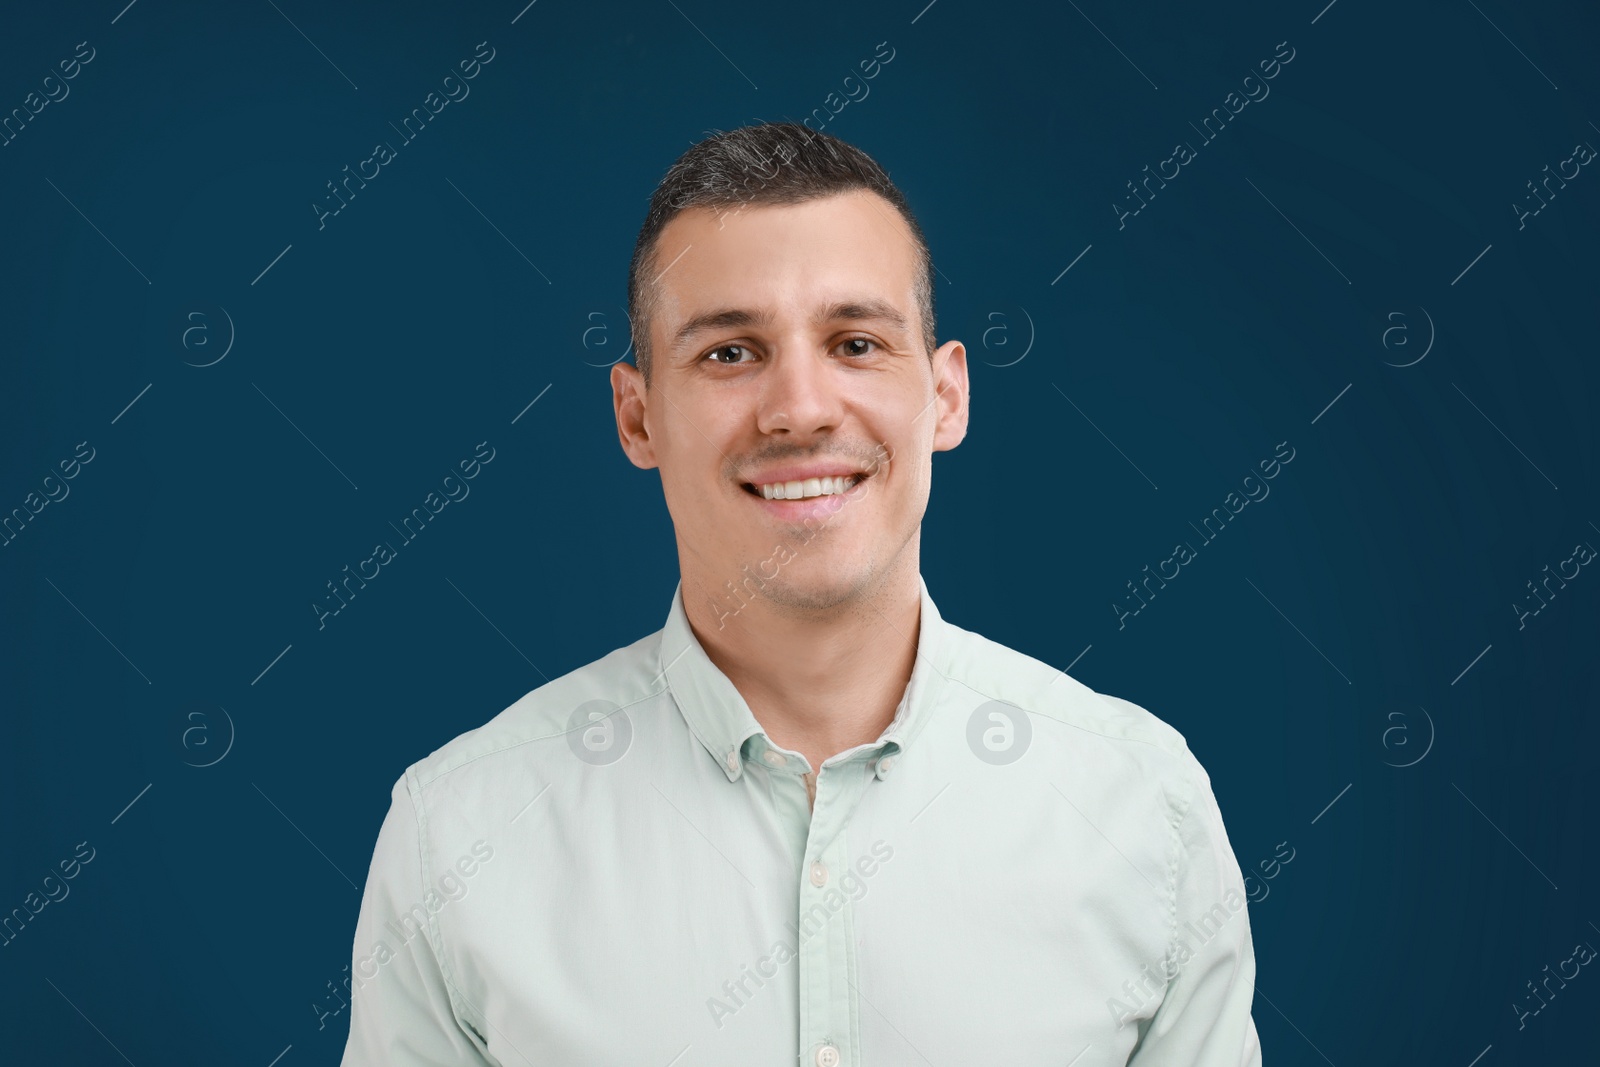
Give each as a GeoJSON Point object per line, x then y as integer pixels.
{"type": "Point", "coordinates": [845, 346]}
{"type": "Point", "coordinates": [714, 354]}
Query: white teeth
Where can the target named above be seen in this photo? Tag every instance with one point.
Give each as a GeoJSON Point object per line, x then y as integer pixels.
{"type": "Point", "coordinates": [810, 487]}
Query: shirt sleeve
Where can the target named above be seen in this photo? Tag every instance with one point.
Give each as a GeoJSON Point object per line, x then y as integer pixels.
{"type": "Point", "coordinates": [402, 1013]}
{"type": "Point", "coordinates": [1204, 1018]}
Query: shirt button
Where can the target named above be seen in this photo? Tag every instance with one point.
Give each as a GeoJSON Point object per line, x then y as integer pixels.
{"type": "Point", "coordinates": [819, 878]}
{"type": "Point", "coordinates": [774, 758]}
{"type": "Point", "coordinates": [885, 763]}
{"type": "Point", "coordinates": [733, 760]}
{"type": "Point", "coordinates": [827, 1056]}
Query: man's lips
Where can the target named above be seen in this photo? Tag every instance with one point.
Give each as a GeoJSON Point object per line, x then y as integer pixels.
{"type": "Point", "coordinates": [813, 489]}
{"type": "Point", "coordinates": [804, 486]}
{"type": "Point", "coordinates": [794, 476]}
{"type": "Point", "coordinates": [808, 507]}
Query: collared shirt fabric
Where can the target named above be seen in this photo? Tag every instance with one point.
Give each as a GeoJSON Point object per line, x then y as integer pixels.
{"type": "Point", "coordinates": [622, 867]}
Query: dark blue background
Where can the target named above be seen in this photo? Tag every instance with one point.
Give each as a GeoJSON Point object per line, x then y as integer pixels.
{"type": "Point", "coordinates": [1323, 638]}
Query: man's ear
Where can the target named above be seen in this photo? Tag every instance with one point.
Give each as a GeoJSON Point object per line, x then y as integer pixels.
{"type": "Point", "coordinates": [629, 399]}
{"type": "Point", "coordinates": [951, 402]}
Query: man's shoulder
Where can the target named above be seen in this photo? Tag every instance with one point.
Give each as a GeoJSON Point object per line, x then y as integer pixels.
{"type": "Point", "coordinates": [621, 678]}
{"type": "Point", "coordinates": [999, 672]}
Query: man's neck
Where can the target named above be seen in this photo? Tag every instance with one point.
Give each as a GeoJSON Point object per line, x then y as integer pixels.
{"type": "Point", "coordinates": [821, 683]}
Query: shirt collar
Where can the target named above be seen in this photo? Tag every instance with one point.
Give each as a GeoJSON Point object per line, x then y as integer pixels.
{"type": "Point", "coordinates": [718, 715]}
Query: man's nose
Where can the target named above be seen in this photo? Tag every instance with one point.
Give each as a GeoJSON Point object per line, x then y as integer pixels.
{"type": "Point", "coordinates": [800, 393]}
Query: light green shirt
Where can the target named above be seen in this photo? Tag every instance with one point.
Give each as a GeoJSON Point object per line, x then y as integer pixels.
{"type": "Point", "coordinates": [621, 868]}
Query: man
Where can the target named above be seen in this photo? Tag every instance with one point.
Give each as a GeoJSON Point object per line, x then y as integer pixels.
{"type": "Point", "coordinates": [808, 820]}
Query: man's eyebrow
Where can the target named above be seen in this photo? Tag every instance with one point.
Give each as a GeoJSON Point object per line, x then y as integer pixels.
{"type": "Point", "coordinates": [845, 310]}
{"type": "Point", "coordinates": [858, 310]}
{"type": "Point", "coordinates": [719, 319]}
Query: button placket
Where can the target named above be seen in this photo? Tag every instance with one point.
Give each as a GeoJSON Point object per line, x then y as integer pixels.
{"type": "Point", "coordinates": [829, 1017]}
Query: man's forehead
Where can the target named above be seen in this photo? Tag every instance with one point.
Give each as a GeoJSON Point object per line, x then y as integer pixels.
{"type": "Point", "coordinates": [724, 271]}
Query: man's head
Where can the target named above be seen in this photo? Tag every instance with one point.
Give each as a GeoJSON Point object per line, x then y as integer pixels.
{"type": "Point", "coordinates": [783, 319]}
{"type": "Point", "coordinates": [773, 163]}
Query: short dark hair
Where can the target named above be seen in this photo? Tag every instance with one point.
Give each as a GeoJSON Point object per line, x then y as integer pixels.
{"type": "Point", "coordinates": [769, 163]}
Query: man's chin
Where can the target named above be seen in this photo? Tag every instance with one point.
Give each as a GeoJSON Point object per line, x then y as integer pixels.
{"type": "Point", "coordinates": [820, 583]}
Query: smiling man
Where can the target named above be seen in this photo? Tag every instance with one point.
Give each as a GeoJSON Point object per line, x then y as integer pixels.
{"type": "Point", "coordinates": [808, 820]}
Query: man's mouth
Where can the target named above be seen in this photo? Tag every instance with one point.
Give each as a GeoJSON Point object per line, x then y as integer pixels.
{"type": "Point", "coordinates": [806, 489]}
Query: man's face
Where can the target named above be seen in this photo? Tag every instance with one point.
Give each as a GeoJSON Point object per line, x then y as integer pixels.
{"type": "Point", "coordinates": [786, 346]}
